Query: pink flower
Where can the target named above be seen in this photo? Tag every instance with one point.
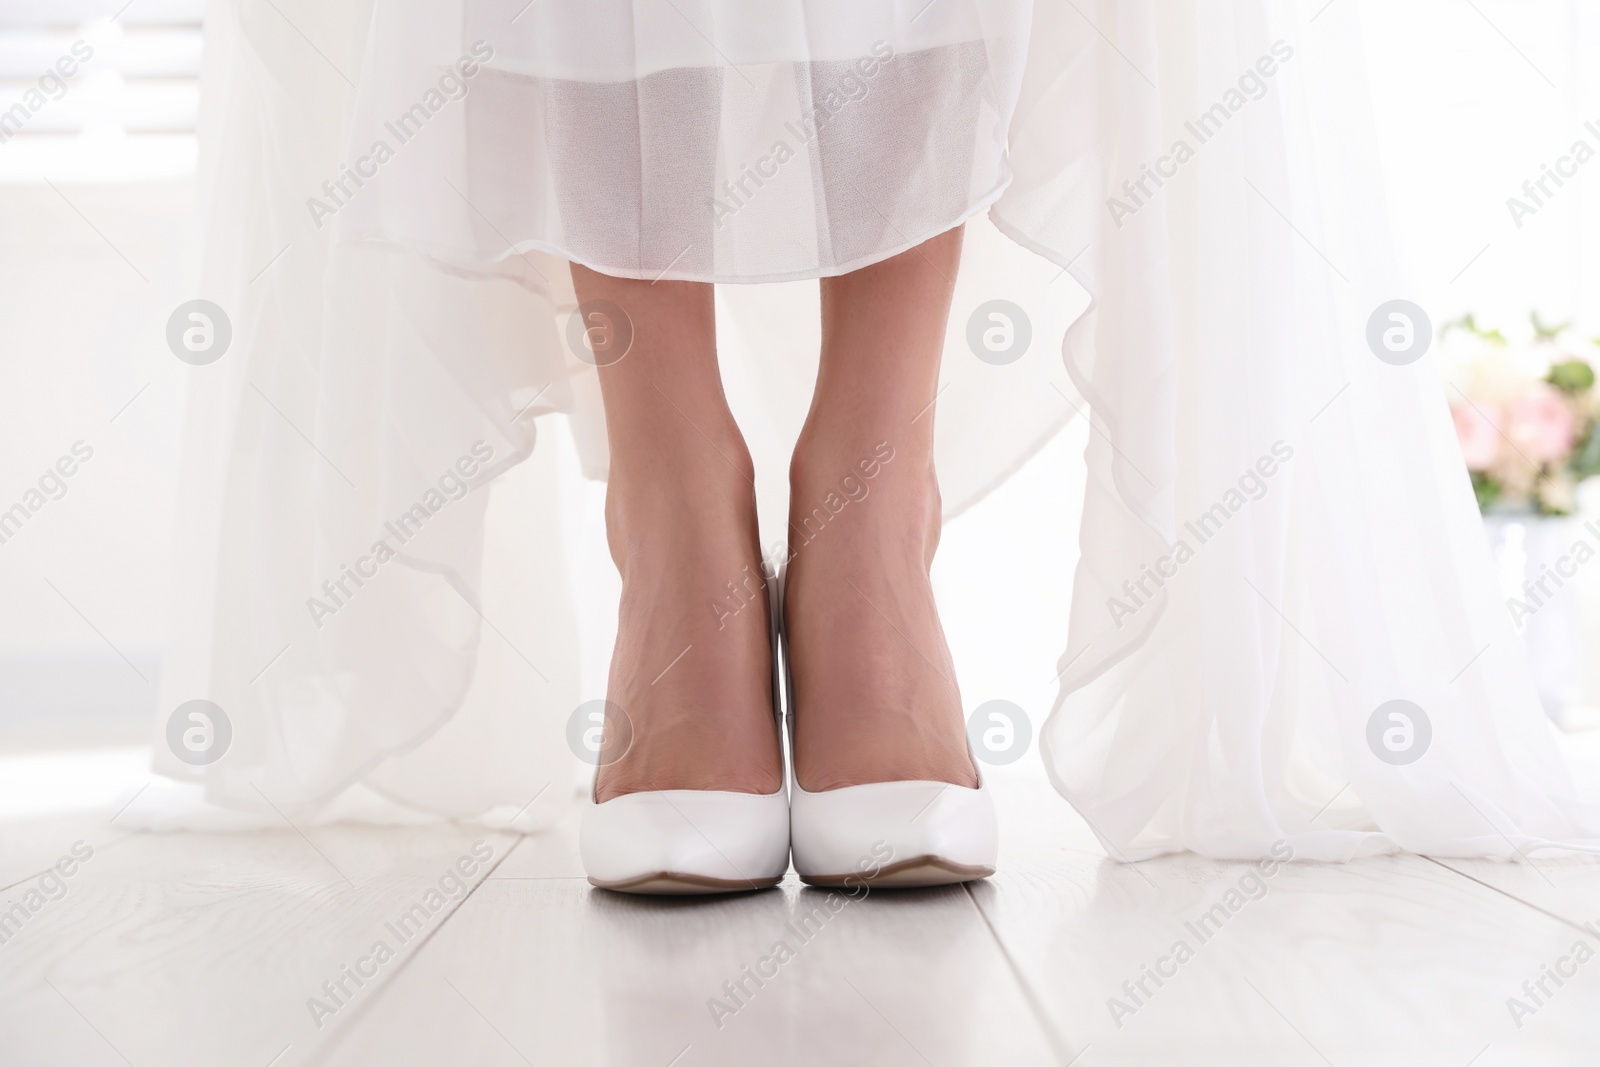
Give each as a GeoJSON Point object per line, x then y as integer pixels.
{"type": "Point", "coordinates": [1540, 423]}
{"type": "Point", "coordinates": [1480, 441]}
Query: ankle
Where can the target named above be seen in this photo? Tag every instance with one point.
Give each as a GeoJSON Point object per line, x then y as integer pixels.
{"type": "Point", "coordinates": [682, 508]}
{"type": "Point", "coordinates": [877, 489]}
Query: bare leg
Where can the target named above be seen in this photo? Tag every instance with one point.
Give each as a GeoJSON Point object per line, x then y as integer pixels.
{"type": "Point", "coordinates": [874, 682]}
{"type": "Point", "coordinates": [693, 679]}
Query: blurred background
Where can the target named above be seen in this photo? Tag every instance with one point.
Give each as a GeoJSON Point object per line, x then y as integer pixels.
{"type": "Point", "coordinates": [1477, 102]}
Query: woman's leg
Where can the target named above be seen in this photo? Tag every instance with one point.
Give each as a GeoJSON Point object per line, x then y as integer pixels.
{"type": "Point", "coordinates": [874, 682]}
{"type": "Point", "coordinates": [693, 678]}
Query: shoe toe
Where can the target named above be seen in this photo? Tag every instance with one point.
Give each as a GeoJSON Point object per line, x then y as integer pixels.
{"type": "Point", "coordinates": [686, 841]}
{"type": "Point", "coordinates": [894, 833]}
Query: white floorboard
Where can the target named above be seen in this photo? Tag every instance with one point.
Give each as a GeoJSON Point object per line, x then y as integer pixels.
{"type": "Point", "coordinates": [1568, 887]}
{"type": "Point", "coordinates": [204, 949]}
{"type": "Point", "coordinates": [554, 971]}
{"type": "Point", "coordinates": [1392, 960]}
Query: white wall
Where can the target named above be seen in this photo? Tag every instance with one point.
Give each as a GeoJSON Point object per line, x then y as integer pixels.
{"type": "Point", "coordinates": [1466, 116]}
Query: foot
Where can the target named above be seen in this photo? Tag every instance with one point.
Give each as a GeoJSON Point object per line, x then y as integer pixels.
{"type": "Point", "coordinates": [874, 682]}
{"type": "Point", "coordinates": [692, 663]}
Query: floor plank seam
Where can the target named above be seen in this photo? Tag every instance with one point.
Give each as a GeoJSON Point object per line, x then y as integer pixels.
{"type": "Point", "coordinates": [1058, 1042]}
{"type": "Point", "coordinates": [1510, 896]}
{"type": "Point", "coordinates": [353, 1023]}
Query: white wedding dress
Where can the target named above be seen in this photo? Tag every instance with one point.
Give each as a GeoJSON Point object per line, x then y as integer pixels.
{"type": "Point", "coordinates": [1278, 535]}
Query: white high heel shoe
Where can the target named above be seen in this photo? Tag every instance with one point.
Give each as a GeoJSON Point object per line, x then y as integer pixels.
{"type": "Point", "coordinates": [682, 841]}
{"type": "Point", "coordinates": [905, 834]}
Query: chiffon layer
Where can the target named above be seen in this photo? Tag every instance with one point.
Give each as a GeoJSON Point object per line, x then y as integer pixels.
{"type": "Point", "coordinates": [1278, 539]}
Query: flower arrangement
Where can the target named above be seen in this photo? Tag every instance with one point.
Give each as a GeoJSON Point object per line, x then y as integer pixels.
{"type": "Point", "coordinates": [1525, 411]}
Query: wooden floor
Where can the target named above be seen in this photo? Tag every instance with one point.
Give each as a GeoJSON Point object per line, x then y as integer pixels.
{"type": "Point", "coordinates": [186, 949]}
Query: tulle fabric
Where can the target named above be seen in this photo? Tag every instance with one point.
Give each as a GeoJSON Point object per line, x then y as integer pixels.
{"type": "Point", "coordinates": [701, 141]}
{"type": "Point", "coordinates": [405, 347]}
{"type": "Point", "coordinates": [1223, 665]}
{"type": "Point", "coordinates": [431, 367]}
